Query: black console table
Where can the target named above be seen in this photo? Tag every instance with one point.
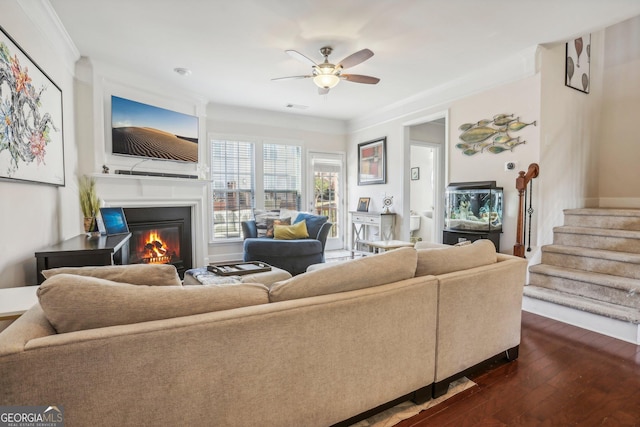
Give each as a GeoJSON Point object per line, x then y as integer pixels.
{"type": "Point", "coordinates": [82, 250]}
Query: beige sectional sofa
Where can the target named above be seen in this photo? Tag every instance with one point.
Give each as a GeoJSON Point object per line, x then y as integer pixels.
{"type": "Point", "coordinates": [314, 350]}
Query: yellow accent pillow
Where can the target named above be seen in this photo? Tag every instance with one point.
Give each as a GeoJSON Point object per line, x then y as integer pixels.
{"type": "Point", "coordinates": [290, 232]}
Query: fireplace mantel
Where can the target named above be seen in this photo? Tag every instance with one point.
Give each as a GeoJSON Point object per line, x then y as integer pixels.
{"type": "Point", "coordinates": [148, 191]}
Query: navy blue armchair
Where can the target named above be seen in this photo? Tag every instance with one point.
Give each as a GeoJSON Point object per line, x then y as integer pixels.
{"type": "Point", "coordinates": [293, 256]}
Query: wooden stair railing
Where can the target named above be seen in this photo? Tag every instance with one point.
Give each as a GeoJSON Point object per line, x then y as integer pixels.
{"type": "Point", "coordinates": [521, 185]}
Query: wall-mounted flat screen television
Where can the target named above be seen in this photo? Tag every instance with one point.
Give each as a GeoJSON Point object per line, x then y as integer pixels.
{"type": "Point", "coordinates": [142, 130]}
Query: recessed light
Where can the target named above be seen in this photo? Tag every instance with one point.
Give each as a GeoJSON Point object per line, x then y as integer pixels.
{"type": "Point", "coordinates": [182, 71]}
{"type": "Point", "coordinates": [298, 106]}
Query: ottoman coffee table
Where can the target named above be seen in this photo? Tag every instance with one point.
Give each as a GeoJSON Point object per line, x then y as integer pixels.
{"type": "Point", "coordinates": [202, 276]}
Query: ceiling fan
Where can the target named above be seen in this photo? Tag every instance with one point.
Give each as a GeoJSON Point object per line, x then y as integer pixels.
{"type": "Point", "coordinates": [326, 75]}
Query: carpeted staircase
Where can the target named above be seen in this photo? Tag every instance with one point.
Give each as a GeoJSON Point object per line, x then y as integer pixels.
{"type": "Point", "coordinates": [593, 264]}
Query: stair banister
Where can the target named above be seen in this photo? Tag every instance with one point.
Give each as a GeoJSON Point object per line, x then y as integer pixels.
{"type": "Point", "coordinates": [522, 181]}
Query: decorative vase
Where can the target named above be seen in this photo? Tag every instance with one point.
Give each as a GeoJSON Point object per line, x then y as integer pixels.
{"type": "Point", "coordinates": [89, 224]}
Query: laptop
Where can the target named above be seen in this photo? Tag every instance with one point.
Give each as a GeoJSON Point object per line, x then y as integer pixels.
{"type": "Point", "coordinates": [114, 221]}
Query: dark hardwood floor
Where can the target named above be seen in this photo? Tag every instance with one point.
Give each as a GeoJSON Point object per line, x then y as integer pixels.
{"type": "Point", "coordinates": [564, 376]}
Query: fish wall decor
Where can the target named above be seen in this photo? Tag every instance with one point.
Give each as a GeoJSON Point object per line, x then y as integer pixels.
{"type": "Point", "coordinates": [491, 135]}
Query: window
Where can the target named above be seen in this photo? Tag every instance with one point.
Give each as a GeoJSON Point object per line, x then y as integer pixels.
{"type": "Point", "coordinates": [282, 176]}
{"type": "Point", "coordinates": [232, 186]}
{"type": "Point", "coordinates": [237, 187]}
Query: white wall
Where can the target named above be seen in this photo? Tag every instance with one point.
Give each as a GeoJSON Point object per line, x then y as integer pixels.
{"type": "Point", "coordinates": [521, 98]}
{"type": "Point", "coordinates": [422, 191]}
{"type": "Point", "coordinates": [620, 146]}
{"type": "Point", "coordinates": [34, 215]}
{"type": "Point", "coordinates": [569, 139]}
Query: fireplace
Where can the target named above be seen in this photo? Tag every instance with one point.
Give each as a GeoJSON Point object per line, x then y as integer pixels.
{"type": "Point", "coordinates": [160, 235]}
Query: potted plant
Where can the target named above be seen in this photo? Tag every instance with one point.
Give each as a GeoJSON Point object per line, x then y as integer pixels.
{"type": "Point", "coordinates": [89, 203]}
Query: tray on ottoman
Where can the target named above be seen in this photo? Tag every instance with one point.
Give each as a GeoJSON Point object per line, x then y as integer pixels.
{"type": "Point", "coordinates": [238, 269]}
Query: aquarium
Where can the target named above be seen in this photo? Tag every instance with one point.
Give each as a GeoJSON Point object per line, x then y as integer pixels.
{"type": "Point", "coordinates": [474, 206]}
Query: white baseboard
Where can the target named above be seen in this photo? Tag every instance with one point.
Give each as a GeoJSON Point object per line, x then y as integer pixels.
{"type": "Point", "coordinates": [620, 202]}
{"type": "Point", "coordinates": [625, 331]}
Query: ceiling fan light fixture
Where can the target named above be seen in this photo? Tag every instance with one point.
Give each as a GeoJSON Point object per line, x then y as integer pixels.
{"type": "Point", "coordinates": [327, 75]}
{"type": "Point", "coordinates": [326, 81]}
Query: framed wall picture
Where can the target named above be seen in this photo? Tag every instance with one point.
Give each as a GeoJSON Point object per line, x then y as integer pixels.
{"type": "Point", "coordinates": [372, 162]}
{"type": "Point", "coordinates": [363, 204]}
{"type": "Point", "coordinates": [31, 134]}
{"type": "Point", "coordinates": [415, 174]}
{"type": "Point", "coordinates": [578, 64]}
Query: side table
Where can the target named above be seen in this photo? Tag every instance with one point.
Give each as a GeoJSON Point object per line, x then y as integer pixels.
{"type": "Point", "coordinates": [387, 245]}
{"type": "Point", "coordinates": [81, 251]}
{"type": "Point", "coordinates": [15, 301]}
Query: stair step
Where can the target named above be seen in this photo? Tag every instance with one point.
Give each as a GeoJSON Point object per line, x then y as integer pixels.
{"type": "Point", "coordinates": [619, 219]}
{"type": "Point", "coordinates": [596, 260]}
{"type": "Point", "coordinates": [598, 238]}
{"type": "Point", "coordinates": [585, 304]}
{"type": "Point", "coordinates": [597, 286]}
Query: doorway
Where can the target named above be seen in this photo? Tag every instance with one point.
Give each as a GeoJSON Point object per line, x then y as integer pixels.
{"type": "Point", "coordinates": [327, 181]}
{"type": "Point", "coordinates": [425, 163]}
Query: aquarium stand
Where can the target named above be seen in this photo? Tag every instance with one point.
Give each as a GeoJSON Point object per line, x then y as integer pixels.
{"type": "Point", "coordinates": [453, 237]}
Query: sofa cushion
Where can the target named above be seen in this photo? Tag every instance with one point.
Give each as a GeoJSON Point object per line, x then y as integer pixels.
{"type": "Point", "coordinates": [291, 232]}
{"type": "Point", "coordinates": [314, 222]}
{"type": "Point", "coordinates": [454, 258]}
{"type": "Point", "coordinates": [262, 248]}
{"type": "Point", "coordinates": [272, 222]}
{"type": "Point", "coordinates": [135, 274]}
{"type": "Point", "coordinates": [374, 270]}
{"type": "Point", "coordinates": [73, 303]}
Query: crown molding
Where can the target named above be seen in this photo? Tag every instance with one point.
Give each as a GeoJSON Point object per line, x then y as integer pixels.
{"type": "Point", "coordinates": [45, 18]}
{"type": "Point", "coordinates": [516, 67]}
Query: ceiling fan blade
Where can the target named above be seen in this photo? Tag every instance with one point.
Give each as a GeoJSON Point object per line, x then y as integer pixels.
{"type": "Point", "coordinates": [323, 90]}
{"type": "Point", "coordinates": [358, 78]}
{"type": "Point", "coordinates": [291, 78]}
{"type": "Point", "coordinates": [355, 58]}
{"type": "Point", "coordinates": [300, 57]}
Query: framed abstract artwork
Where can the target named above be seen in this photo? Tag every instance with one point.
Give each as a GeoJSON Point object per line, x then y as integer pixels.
{"type": "Point", "coordinates": [372, 162]}
{"type": "Point", "coordinates": [578, 64]}
{"type": "Point", "coordinates": [31, 135]}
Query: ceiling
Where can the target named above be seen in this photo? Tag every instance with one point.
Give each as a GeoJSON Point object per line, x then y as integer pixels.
{"type": "Point", "coordinates": [234, 48]}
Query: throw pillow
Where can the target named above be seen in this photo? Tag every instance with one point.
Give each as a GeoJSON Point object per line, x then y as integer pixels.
{"type": "Point", "coordinates": [314, 222]}
{"type": "Point", "coordinates": [374, 270]}
{"type": "Point", "coordinates": [289, 213]}
{"type": "Point", "coordinates": [271, 222]}
{"type": "Point", "coordinates": [455, 258]}
{"type": "Point", "coordinates": [261, 221]}
{"type": "Point", "coordinates": [135, 274]}
{"type": "Point", "coordinates": [290, 232]}
{"type": "Point", "coordinates": [74, 303]}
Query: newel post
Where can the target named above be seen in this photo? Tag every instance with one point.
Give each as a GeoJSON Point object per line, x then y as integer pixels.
{"type": "Point", "coordinates": [521, 185]}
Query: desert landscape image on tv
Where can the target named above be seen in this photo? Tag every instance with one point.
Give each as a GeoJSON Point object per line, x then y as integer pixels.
{"type": "Point", "coordinates": [143, 130]}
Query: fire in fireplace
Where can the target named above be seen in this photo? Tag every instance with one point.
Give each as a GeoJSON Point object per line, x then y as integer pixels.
{"type": "Point", "coordinates": [155, 246]}
{"type": "Point", "coordinates": [160, 235]}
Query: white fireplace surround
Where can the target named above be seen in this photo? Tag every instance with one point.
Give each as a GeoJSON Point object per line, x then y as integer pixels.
{"type": "Point", "coordinates": [133, 191]}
